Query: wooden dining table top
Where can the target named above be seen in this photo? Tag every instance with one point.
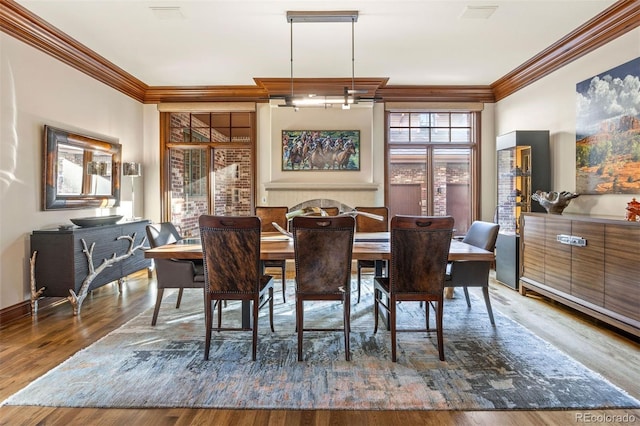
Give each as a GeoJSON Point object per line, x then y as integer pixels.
{"type": "Point", "coordinates": [277, 246]}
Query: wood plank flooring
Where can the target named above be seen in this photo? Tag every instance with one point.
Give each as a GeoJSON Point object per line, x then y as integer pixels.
{"type": "Point", "coordinates": [30, 347]}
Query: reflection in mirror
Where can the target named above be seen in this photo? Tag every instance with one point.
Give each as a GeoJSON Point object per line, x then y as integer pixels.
{"type": "Point", "coordinates": [79, 171]}
{"type": "Point", "coordinates": [69, 177]}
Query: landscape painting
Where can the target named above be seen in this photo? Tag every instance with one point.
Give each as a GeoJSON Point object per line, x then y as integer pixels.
{"type": "Point", "coordinates": [608, 132]}
{"type": "Point", "coordinates": [320, 150]}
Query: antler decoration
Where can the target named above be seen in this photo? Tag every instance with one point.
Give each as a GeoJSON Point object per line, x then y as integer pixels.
{"type": "Point", "coordinates": [35, 294]}
{"type": "Point", "coordinates": [315, 210]}
{"type": "Point", "coordinates": [77, 299]}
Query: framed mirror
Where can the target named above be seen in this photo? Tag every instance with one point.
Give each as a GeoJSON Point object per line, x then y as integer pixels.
{"type": "Point", "coordinates": [79, 171]}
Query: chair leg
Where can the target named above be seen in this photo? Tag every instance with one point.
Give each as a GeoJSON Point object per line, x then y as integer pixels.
{"type": "Point", "coordinates": [220, 312]}
{"type": "Point", "coordinates": [157, 307]}
{"type": "Point", "coordinates": [359, 281]}
{"type": "Point", "coordinates": [376, 309]}
{"type": "Point", "coordinates": [347, 326]}
{"type": "Point", "coordinates": [179, 298]}
{"type": "Point", "coordinates": [466, 295]}
{"type": "Point", "coordinates": [284, 282]}
{"type": "Point", "coordinates": [299, 325]}
{"type": "Point", "coordinates": [271, 309]}
{"type": "Point", "coordinates": [426, 312]}
{"type": "Point", "coordinates": [208, 321]}
{"type": "Point", "coordinates": [485, 292]}
{"type": "Point", "coordinates": [254, 340]}
{"type": "Point", "coordinates": [439, 312]}
{"type": "Point", "coordinates": [392, 323]}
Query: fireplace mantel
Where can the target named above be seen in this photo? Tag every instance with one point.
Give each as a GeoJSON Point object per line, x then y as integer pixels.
{"type": "Point", "coordinates": [313, 186]}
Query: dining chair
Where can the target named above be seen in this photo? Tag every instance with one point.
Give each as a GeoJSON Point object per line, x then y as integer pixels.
{"type": "Point", "coordinates": [368, 224]}
{"type": "Point", "coordinates": [419, 252]}
{"type": "Point", "coordinates": [231, 252]}
{"type": "Point", "coordinates": [268, 215]}
{"type": "Point", "coordinates": [467, 273]}
{"type": "Point", "coordinates": [172, 273]}
{"type": "Point", "coordinates": [323, 252]}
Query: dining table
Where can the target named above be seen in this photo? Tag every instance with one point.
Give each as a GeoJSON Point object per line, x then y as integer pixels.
{"type": "Point", "coordinates": [277, 246]}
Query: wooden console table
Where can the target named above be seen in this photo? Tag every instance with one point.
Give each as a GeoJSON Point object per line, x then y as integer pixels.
{"type": "Point", "coordinates": [589, 263]}
{"type": "Point", "coordinates": [60, 258]}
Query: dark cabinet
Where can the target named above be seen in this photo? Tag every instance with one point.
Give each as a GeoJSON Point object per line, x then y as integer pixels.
{"type": "Point", "coordinates": [523, 167]}
{"type": "Point", "coordinates": [61, 263]}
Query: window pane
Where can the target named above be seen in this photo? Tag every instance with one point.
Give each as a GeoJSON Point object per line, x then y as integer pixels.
{"type": "Point", "coordinates": [460, 119]}
{"type": "Point", "coordinates": [200, 134]}
{"type": "Point", "coordinates": [398, 135]}
{"type": "Point", "coordinates": [232, 182]}
{"type": "Point", "coordinates": [420, 135]}
{"type": "Point", "coordinates": [201, 120]}
{"type": "Point", "coordinates": [241, 135]}
{"type": "Point", "coordinates": [440, 135]}
{"type": "Point", "coordinates": [188, 188]}
{"type": "Point", "coordinates": [452, 186]}
{"type": "Point", "coordinates": [419, 120]}
{"type": "Point", "coordinates": [241, 119]}
{"type": "Point", "coordinates": [460, 135]}
{"type": "Point", "coordinates": [408, 177]}
{"type": "Point", "coordinates": [440, 119]}
{"type": "Point", "coordinates": [180, 123]}
{"type": "Point", "coordinates": [398, 119]}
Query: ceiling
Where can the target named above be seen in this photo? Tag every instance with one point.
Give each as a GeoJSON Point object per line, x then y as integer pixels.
{"type": "Point", "coordinates": [233, 42]}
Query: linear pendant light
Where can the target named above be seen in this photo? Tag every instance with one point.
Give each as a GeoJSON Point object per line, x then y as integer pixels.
{"type": "Point", "coordinates": [322, 17]}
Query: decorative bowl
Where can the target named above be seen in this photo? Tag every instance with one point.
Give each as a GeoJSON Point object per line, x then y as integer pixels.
{"type": "Point", "coordinates": [87, 222]}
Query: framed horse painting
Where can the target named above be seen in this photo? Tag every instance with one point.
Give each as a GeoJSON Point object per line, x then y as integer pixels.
{"type": "Point", "coordinates": [316, 150]}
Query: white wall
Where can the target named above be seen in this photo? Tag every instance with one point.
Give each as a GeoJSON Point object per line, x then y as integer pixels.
{"type": "Point", "coordinates": [550, 104]}
{"type": "Point", "coordinates": [298, 185]}
{"type": "Point", "coordinates": [37, 90]}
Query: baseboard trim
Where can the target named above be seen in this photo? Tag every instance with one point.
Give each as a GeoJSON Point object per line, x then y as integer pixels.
{"type": "Point", "coordinates": [23, 309]}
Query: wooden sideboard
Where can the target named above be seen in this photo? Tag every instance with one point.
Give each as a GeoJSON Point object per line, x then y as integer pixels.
{"type": "Point", "coordinates": [61, 263]}
{"type": "Point", "coordinates": [589, 263]}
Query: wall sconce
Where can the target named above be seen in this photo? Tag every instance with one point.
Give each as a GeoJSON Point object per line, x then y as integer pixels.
{"type": "Point", "coordinates": [132, 170]}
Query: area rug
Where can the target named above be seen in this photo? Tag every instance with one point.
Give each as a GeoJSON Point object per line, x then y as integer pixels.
{"type": "Point", "coordinates": [486, 368]}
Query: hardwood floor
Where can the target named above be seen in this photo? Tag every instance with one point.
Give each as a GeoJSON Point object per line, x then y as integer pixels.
{"type": "Point", "coordinates": [29, 347]}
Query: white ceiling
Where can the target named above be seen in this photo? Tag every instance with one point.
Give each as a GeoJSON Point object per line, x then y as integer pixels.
{"type": "Point", "coordinates": [229, 42]}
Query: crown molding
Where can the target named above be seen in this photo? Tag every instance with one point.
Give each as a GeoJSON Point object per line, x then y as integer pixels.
{"type": "Point", "coordinates": [435, 94]}
{"type": "Point", "coordinates": [158, 94]}
{"type": "Point", "coordinates": [18, 22]}
{"type": "Point", "coordinates": [23, 25]}
{"type": "Point", "coordinates": [622, 17]}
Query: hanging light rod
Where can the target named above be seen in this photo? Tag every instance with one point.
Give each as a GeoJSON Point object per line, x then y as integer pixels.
{"type": "Point", "coordinates": [323, 16]}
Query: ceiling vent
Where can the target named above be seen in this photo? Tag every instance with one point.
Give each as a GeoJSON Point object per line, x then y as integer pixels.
{"type": "Point", "coordinates": [478, 12]}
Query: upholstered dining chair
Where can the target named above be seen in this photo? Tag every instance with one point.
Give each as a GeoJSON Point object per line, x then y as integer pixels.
{"type": "Point", "coordinates": [268, 215]}
{"type": "Point", "coordinates": [368, 224]}
{"type": "Point", "coordinates": [172, 273]}
{"type": "Point", "coordinates": [232, 270]}
{"type": "Point", "coordinates": [419, 252]}
{"type": "Point", "coordinates": [323, 252]}
{"type": "Point", "coordinates": [475, 273]}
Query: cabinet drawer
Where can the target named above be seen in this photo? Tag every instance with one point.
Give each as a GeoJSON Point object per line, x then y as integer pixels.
{"type": "Point", "coordinates": [622, 269]}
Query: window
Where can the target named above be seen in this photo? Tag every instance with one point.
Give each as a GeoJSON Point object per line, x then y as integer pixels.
{"type": "Point", "coordinates": [432, 164]}
{"type": "Point", "coordinates": [207, 166]}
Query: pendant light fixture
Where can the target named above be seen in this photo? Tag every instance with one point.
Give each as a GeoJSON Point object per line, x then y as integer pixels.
{"type": "Point", "coordinates": [349, 94]}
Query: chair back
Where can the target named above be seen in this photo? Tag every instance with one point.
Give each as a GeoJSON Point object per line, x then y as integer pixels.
{"type": "Point", "coordinates": [323, 252]}
{"type": "Point", "coordinates": [419, 253]}
{"type": "Point", "coordinates": [231, 252]}
{"type": "Point", "coordinates": [163, 233]}
{"type": "Point", "coordinates": [268, 215]}
{"type": "Point", "coordinates": [482, 234]}
{"type": "Point", "coordinates": [367, 224]}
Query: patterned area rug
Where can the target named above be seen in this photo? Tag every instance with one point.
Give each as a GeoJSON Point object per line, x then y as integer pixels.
{"type": "Point", "coordinates": [486, 368]}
